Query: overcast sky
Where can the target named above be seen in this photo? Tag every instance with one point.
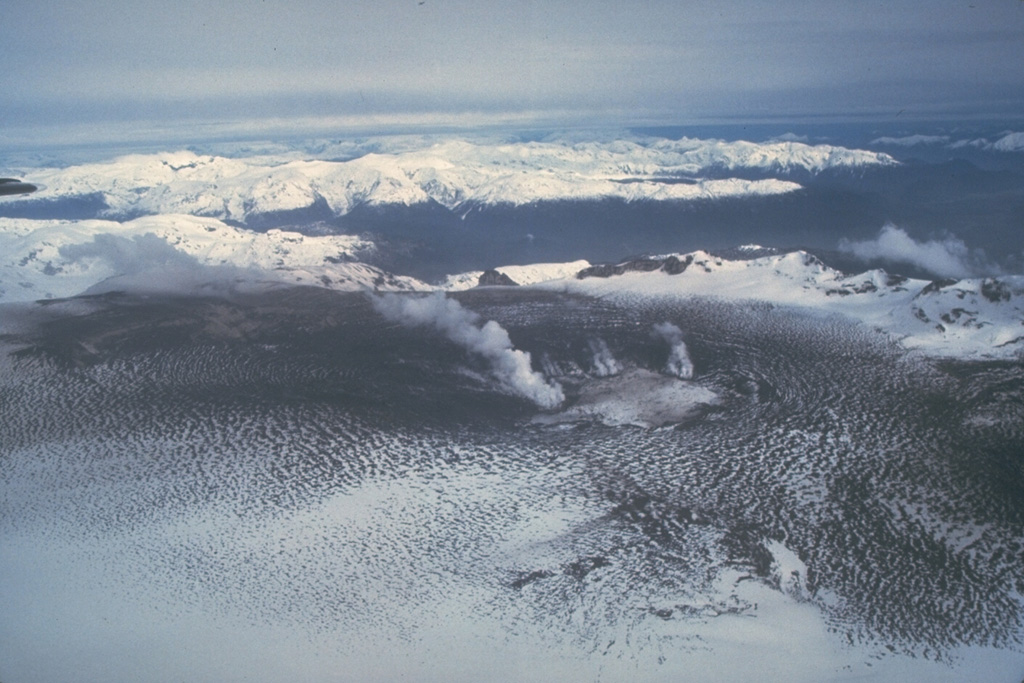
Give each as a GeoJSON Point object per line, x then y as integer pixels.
{"type": "Point", "coordinates": [469, 61]}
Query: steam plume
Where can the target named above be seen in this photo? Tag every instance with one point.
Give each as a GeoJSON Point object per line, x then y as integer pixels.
{"type": "Point", "coordinates": [490, 341]}
{"type": "Point", "coordinates": [948, 257]}
{"type": "Point", "coordinates": [679, 363]}
{"type": "Point", "coordinates": [605, 364]}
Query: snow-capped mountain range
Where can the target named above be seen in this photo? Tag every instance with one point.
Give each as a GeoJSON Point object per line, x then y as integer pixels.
{"type": "Point", "coordinates": [456, 174]}
{"type": "Point", "coordinates": [1009, 141]}
{"type": "Point", "coordinates": [979, 317]}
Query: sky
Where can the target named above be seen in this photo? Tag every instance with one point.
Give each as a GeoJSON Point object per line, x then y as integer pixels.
{"type": "Point", "coordinates": [69, 66]}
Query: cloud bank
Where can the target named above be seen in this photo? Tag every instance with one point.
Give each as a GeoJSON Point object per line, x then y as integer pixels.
{"type": "Point", "coordinates": [678, 363]}
{"type": "Point", "coordinates": [1011, 142]}
{"type": "Point", "coordinates": [510, 366]}
{"type": "Point", "coordinates": [912, 140]}
{"type": "Point", "coordinates": [133, 66]}
{"type": "Point", "coordinates": [948, 257]}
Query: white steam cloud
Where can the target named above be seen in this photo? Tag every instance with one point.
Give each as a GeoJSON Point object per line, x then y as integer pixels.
{"type": "Point", "coordinates": [489, 340]}
{"type": "Point", "coordinates": [129, 255]}
{"type": "Point", "coordinates": [605, 364]}
{"type": "Point", "coordinates": [948, 257]}
{"type": "Point", "coordinates": [679, 363]}
{"type": "Point", "coordinates": [143, 263]}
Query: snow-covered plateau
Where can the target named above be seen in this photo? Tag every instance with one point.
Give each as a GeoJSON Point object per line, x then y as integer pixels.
{"type": "Point", "coordinates": [455, 174]}
{"type": "Point", "coordinates": [46, 259]}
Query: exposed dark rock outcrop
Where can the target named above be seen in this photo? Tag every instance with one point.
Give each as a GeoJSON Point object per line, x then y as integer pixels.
{"type": "Point", "coordinates": [671, 265]}
{"type": "Point", "coordinates": [995, 291]}
{"type": "Point", "coordinates": [492, 278]}
{"type": "Point", "coordinates": [937, 285]}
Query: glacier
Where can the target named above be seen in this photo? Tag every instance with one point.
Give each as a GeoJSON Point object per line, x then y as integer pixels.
{"type": "Point", "coordinates": [285, 480]}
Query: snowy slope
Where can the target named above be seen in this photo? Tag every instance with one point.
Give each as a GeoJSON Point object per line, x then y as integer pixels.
{"type": "Point", "coordinates": [521, 275]}
{"type": "Point", "coordinates": [48, 259]}
{"type": "Point", "coordinates": [452, 173]}
{"type": "Point", "coordinates": [972, 318]}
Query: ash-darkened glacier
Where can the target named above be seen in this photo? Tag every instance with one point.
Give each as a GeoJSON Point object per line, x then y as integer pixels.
{"type": "Point", "coordinates": [293, 486]}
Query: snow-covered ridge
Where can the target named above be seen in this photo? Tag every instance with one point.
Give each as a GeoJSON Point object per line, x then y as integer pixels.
{"type": "Point", "coordinates": [452, 173]}
{"type": "Point", "coordinates": [52, 259]}
{"type": "Point", "coordinates": [969, 318]}
{"type": "Point", "coordinates": [520, 275]}
{"type": "Point", "coordinates": [977, 318]}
